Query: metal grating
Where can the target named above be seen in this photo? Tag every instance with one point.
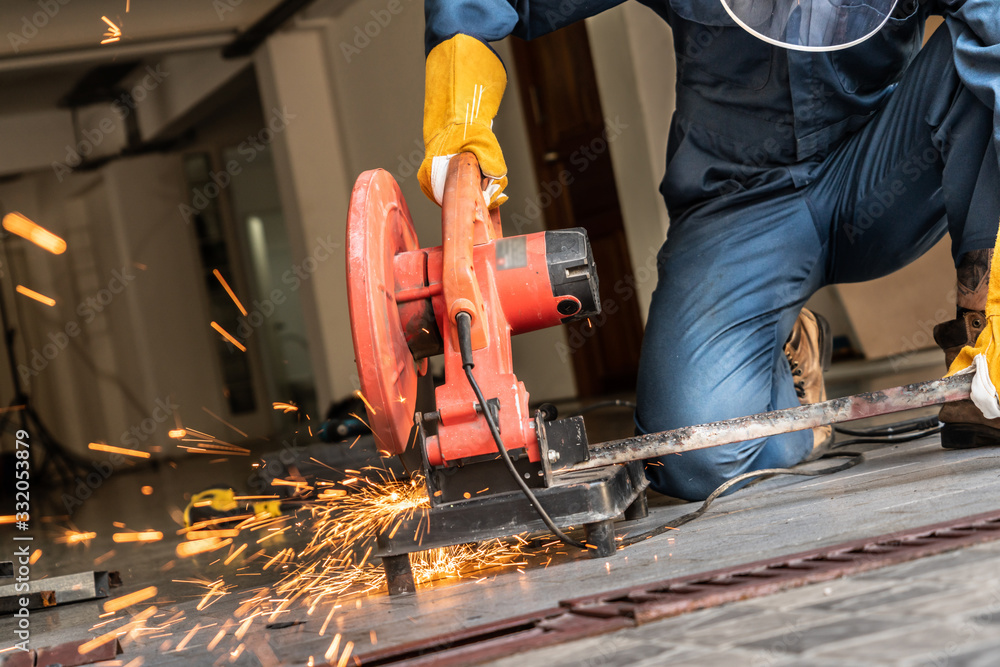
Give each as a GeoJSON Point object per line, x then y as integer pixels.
{"type": "Point", "coordinates": [627, 607]}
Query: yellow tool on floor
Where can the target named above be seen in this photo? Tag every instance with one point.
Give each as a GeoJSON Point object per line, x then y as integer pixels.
{"type": "Point", "coordinates": [219, 504]}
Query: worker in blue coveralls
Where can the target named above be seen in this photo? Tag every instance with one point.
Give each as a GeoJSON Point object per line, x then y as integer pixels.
{"type": "Point", "coordinates": [814, 143]}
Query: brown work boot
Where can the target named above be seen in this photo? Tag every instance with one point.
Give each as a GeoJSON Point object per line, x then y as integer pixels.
{"type": "Point", "coordinates": [965, 426]}
{"type": "Point", "coordinates": [809, 350]}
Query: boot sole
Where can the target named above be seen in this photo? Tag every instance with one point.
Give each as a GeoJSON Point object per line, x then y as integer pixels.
{"type": "Point", "coordinates": [968, 436]}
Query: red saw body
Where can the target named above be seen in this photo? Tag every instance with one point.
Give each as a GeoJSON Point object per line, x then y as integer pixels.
{"type": "Point", "coordinates": [404, 300]}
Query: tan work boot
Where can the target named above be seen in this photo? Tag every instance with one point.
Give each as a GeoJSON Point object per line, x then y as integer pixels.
{"type": "Point", "coordinates": [965, 426]}
{"type": "Point", "coordinates": [809, 350]}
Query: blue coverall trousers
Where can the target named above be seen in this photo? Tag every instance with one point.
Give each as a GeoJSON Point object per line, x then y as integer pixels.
{"type": "Point", "coordinates": [734, 272]}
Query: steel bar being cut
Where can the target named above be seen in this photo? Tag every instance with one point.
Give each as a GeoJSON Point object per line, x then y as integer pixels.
{"type": "Point", "coordinates": [848, 408]}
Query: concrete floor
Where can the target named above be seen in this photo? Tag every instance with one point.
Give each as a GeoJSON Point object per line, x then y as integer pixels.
{"type": "Point", "coordinates": [942, 610]}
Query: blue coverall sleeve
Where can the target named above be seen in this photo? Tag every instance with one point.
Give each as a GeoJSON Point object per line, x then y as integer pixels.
{"type": "Point", "coordinates": [975, 33]}
{"type": "Point", "coordinates": [491, 20]}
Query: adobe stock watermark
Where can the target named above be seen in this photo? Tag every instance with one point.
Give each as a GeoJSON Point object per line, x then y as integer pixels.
{"type": "Point", "coordinates": [781, 646]}
{"type": "Point", "coordinates": [248, 150]}
{"type": "Point", "coordinates": [122, 107]}
{"type": "Point", "coordinates": [87, 311]}
{"type": "Point", "coordinates": [967, 633]}
{"type": "Point", "coordinates": [880, 200]}
{"type": "Point", "coordinates": [85, 486]}
{"type": "Point", "coordinates": [223, 7]}
{"type": "Point", "coordinates": [363, 35]}
{"type": "Point", "coordinates": [580, 159]}
{"type": "Point", "coordinates": [557, 16]}
{"type": "Point", "coordinates": [30, 26]}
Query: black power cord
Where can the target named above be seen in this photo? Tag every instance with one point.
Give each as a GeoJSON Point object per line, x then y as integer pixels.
{"type": "Point", "coordinates": [464, 322]}
{"type": "Point", "coordinates": [903, 431]}
{"type": "Point", "coordinates": [895, 428]}
{"type": "Point", "coordinates": [854, 460]}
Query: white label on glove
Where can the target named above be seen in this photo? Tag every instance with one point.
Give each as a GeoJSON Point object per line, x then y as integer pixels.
{"type": "Point", "coordinates": [491, 191]}
{"type": "Point", "coordinates": [439, 174]}
{"type": "Point", "coordinates": [984, 394]}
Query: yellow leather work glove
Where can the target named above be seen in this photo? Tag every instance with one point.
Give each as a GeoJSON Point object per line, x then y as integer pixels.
{"type": "Point", "coordinates": [985, 355]}
{"type": "Point", "coordinates": [465, 83]}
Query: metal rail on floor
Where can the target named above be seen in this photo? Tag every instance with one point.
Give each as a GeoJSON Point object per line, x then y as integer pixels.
{"type": "Point", "coordinates": [627, 607]}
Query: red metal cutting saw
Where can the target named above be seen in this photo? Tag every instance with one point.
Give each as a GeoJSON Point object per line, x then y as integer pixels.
{"type": "Point", "coordinates": [404, 304]}
{"type": "Point", "coordinates": [404, 301]}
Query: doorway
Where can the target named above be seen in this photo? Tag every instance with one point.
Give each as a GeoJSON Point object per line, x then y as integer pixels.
{"type": "Point", "coordinates": [569, 144]}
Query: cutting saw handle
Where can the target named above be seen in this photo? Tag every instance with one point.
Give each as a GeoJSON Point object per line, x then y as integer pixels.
{"type": "Point", "coordinates": [465, 223]}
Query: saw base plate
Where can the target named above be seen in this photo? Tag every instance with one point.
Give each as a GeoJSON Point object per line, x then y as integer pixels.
{"type": "Point", "coordinates": [593, 499]}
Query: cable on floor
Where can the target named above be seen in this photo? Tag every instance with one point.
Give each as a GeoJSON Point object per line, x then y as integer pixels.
{"type": "Point", "coordinates": [853, 460]}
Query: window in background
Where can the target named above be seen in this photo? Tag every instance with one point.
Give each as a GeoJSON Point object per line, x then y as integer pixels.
{"type": "Point", "coordinates": [214, 253]}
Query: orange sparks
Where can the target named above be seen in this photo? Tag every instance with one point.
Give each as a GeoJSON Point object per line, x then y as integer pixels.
{"type": "Point", "coordinates": [322, 630]}
{"type": "Point", "coordinates": [137, 622]}
{"type": "Point", "coordinates": [346, 655]}
{"type": "Point", "coordinates": [35, 555]}
{"type": "Point", "coordinates": [187, 638]}
{"type": "Point", "coordinates": [285, 407]}
{"type": "Point", "coordinates": [216, 639]}
{"type": "Point", "coordinates": [229, 337]}
{"type": "Point", "coordinates": [145, 536]}
{"type": "Point", "coordinates": [101, 447]}
{"type": "Point", "coordinates": [243, 433]}
{"type": "Point", "coordinates": [334, 647]}
{"type": "Point", "coordinates": [177, 433]}
{"type": "Point", "coordinates": [146, 490]}
{"type": "Point", "coordinates": [32, 294]}
{"type": "Point", "coordinates": [364, 400]}
{"type": "Point", "coordinates": [103, 557]}
{"type": "Point", "coordinates": [74, 537]}
{"type": "Point", "coordinates": [6, 519]}
{"type": "Point", "coordinates": [87, 647]}
{"type": "Point", "coordinates": [229, 291]}
{"type": "Point", "coordinates": [205, 534]}
{"type": "Point", "coordinates": [118, 604]}
{"type": "Point", "coordinates": [242, 630]}
{"type": "Point", "coordinates": [113, 34]}
{"type": "Point", "coordinates": [185, 549]}
{"type": "Point", "coordinates": [233, 555]}
{"type": "Point", "coordinates": [15, 223]}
